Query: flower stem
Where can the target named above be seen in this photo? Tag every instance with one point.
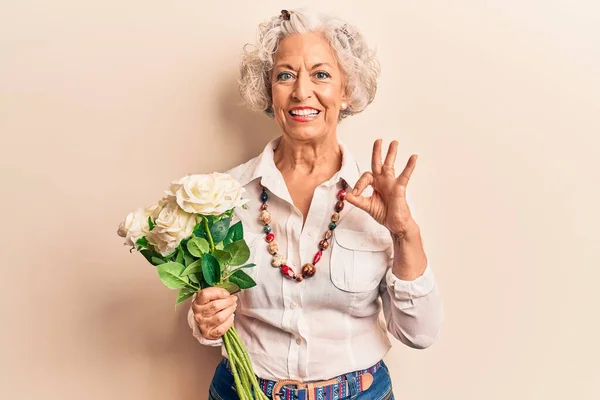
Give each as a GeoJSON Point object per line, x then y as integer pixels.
{"type": "Point", "coordinates": [244, 379]}
{"type": "Point", "coordinates": [227, 341]}
{"type": "Point", "coordinates": [197, 289]}
{"type": "Point", "coordinates": [238, 347]}
{"type": "Point", "coordinates": [210, 239]}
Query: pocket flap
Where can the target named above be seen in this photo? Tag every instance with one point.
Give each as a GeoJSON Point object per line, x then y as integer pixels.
{"type": "Point", "coordinates": [365, 241]}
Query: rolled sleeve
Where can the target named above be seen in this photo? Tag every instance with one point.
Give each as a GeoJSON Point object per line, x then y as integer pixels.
{"type": "Point", "coordinates": [413, 309]}
{"type": "Point", "coordinates": [407, 290]}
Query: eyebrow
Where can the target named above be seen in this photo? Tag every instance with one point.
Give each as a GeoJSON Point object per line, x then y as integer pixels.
{"type": "Point", "coordinates": [288, 66]}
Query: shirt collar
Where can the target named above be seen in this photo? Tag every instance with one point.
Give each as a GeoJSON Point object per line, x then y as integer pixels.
{"type": "Point", "coordinates": [265, 167]}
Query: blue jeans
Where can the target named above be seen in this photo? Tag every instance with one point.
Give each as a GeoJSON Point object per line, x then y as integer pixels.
{"type": "Point", "coordinates": [222, 386]}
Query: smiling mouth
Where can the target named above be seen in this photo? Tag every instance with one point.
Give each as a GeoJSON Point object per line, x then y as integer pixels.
{"type": "Point", "coordinates": [304, 113]}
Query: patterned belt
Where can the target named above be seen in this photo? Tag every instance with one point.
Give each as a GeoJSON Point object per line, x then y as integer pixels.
{"type": "Point", "coordinates": [337, 388]}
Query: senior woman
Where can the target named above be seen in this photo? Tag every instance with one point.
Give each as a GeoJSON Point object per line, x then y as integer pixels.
{"type": "Point", "coordinates": [328, 258]}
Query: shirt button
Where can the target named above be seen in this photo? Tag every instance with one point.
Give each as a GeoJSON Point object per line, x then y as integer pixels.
{"type": "Point", "coordinates": [299, 341]}
{"type": "Point", "coordinates": [310, 234]}
{"type": "Point", "coordinates": [293, 306]}
{"type": "Point", "coordinates": [363, 244]}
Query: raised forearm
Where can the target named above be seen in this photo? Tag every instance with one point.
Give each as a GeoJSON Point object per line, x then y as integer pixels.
{"type": "Point", "coordinates": [410, 260]}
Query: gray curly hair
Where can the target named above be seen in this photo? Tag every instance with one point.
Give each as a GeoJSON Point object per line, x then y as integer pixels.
{"type": "Point", "coordinates": [356, 59]}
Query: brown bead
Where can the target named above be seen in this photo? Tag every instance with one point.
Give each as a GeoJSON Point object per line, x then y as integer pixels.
{"type": "Point", "coordinates": [265, 217]}
{"type": "Point", "coordinates": [264, 206]}
{"type": "Point", "coordinates": [344, 184]}
{"type": "Point", "coordinates": [328, 235]}
{"type": "Point", "coordinates": [339, 206]}
{"type": "Point", "coordinates": [335, 217]}
{"type": "Point", "coordinates": [308, 270]}
{"type": "Point", "coordinates": [323, 244]}
{"type": "Point", "coordinates": [273, 248]}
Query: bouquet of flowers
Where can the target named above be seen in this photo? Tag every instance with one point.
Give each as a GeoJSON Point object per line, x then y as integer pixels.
{"type": "Point", "coordinates": [189, 238]}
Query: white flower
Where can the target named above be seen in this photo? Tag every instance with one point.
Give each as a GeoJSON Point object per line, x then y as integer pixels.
{"type": "Point", "coordinates": [208, 194]}
{"type": "Point", "coordinates": [172, 226]}
{"type": "Point", "coordinates": [154, 210]}
{"type": "Point", "coordinates": [135, 226]}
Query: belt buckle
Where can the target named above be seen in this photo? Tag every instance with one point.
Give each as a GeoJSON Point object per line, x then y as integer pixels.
{"type": "Point", "coordinates": [284, 382]}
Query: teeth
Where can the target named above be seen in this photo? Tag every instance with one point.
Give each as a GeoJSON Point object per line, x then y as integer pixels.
{"type": "Point", "coordinates": [304, 112]}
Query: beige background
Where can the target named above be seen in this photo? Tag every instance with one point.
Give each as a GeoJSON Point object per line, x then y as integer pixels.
{"type": "Point", "coordinates": [102, 103]}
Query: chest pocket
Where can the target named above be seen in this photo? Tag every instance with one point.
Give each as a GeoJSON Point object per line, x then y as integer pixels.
{"type": "Point", "coordinates": [358, 260]}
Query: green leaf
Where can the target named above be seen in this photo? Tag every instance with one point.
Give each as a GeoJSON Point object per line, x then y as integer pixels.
{"type": "Point", "coordinates": [242, 279]}
{"type": "Point", "coordinates": [242, 267]}
{"type": "Point", "coordinates": [187, 259]}
{"type": "Point", "coordinates": [151, 223]}
{"type": "Point", "coordinates": [219, 246]}
{"type": "Point", "coordinates": [157, 261]}
{"type": "Point", "coordinates": [196, 278]}
{"type": "Point", "coordinates": [184, 294]}
{"type": "Point", "coordinates": [179, 256]}
{"type": "Point", "coordinates": [228, 239]}
{"type": "Point", "coordinates": [229, 286]}
{"type": "Point", "coordinates": [197, 246]}
{"type": "Point", "coordinates": [211, 270]}
{"type": "Point", "coordinates": [149, 254]}
{"type": "Point", "coordinates": [222, 256]}
{"type": "Point", "coordinates": [210, 219]}
{"type": "Point", "coordinates": [142, 242]}
{"type": "Point", "coordinates": [238, 231]}
{"type": "Point", "coordinates": [170, 275]}
{"type": "Point", "coordinates": [219, 230]}
{"type": "Point", "coordinates": [193, 268]}
{"type": "Point", "coordinates": [199, 229]}
{"type": "Point", "coordinates": [240, 253]}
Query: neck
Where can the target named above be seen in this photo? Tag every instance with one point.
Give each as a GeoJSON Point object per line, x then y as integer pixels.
{"type": "Point", "coordinates": [316, 157]}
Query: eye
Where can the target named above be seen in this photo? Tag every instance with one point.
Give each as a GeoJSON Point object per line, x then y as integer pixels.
{"type": "Point", "coordinates": [284, 76]}
{"type": "Point", "coordinates": [322, 75]}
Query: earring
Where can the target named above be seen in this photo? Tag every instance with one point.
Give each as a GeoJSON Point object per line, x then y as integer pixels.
{"type": "Point", "coordinates": [344, 106]}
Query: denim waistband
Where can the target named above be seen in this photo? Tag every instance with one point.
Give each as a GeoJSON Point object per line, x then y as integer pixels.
{"type": "Point", "coordinates": [347, 384]}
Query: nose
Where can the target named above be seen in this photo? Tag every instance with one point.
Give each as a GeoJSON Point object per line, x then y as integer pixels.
{"type": "Point", "coordinates": [303, 87]}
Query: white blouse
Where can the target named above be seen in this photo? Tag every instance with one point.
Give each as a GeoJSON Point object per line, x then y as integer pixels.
{"type": "Point", "coordinates": [332, 323]}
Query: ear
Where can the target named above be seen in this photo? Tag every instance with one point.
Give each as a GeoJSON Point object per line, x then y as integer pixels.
{"type": "Point", "coordinates": [345, 95]}
{"type": "Point", "coordinates": [345, 104]}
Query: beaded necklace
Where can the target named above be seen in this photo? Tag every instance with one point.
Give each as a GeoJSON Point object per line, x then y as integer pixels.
{"type": "Point", "coordinates": [279, 260]}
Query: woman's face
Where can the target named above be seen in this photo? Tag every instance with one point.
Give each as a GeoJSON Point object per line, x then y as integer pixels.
{"type": "Point", "coordinates": [307, 87]}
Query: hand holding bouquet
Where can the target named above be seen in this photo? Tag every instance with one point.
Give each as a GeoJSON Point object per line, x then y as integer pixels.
{"type": "Point", "coordinates": [189, 237]}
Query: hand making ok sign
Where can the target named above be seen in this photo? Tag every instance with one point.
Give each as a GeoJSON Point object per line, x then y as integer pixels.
{"type": "Point", "coordinates": [388, 204]}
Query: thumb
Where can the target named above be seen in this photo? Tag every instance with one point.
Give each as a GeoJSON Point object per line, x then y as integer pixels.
{"type": "Point", "coordinates": [358, 201]}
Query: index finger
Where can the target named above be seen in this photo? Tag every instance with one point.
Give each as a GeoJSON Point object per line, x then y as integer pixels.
{"type": "Point", "coordinates": [209, 294]}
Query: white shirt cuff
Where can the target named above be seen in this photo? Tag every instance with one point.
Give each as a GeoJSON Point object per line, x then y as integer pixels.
{"type": "Point", "coordinates": [408, 290]}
